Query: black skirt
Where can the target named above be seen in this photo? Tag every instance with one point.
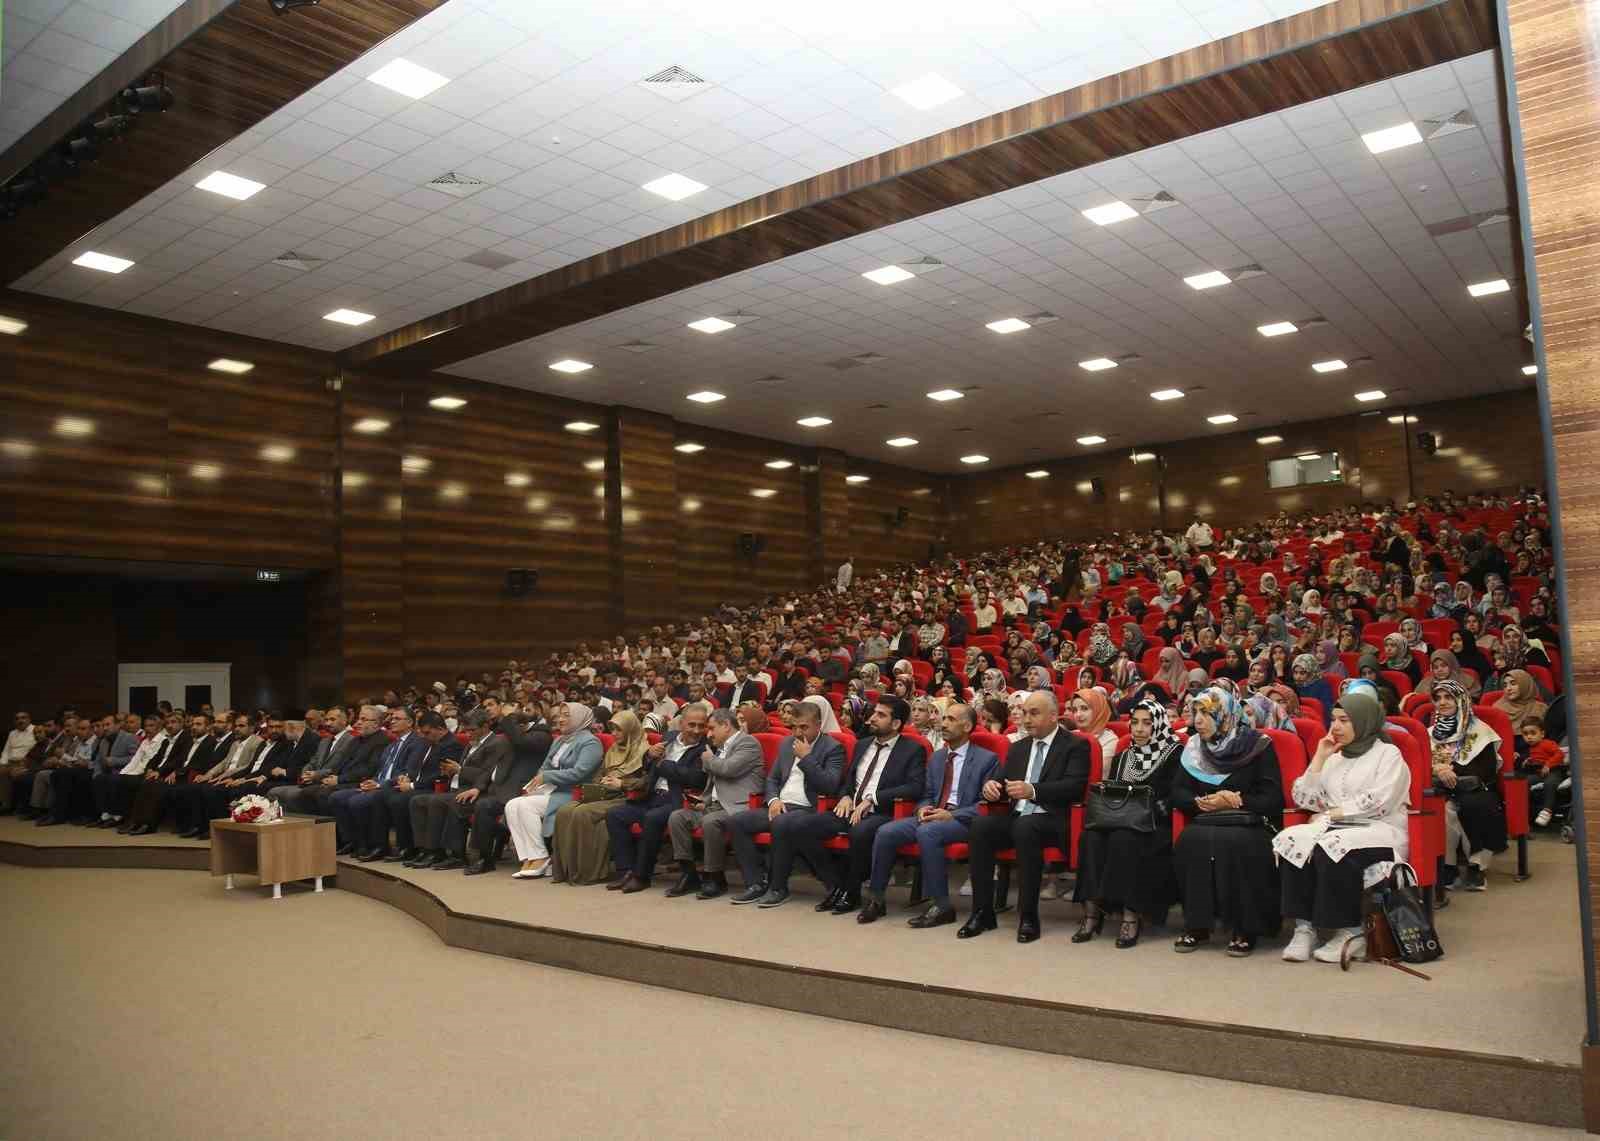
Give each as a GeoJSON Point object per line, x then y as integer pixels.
{"type": "Point", "coordinates": [1227, 877]}
{"type": "Point", "coordinates": [1128, 869]}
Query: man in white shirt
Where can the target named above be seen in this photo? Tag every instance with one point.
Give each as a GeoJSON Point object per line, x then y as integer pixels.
{"type": "Point", "coordinates": [19, 740]}
{"type": "Point", "coordinates": [847, 572]}
{"type": "Point", "coordinates": [113, 791]}
{"type": "Point", "coordinates": [1199, 536]}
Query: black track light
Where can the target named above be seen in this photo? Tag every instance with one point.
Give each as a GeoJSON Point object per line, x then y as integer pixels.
{"type": "Point", "coordinates": [112, 126]}
{"type": "Point", "coordinates": [281, 6]}
{"type": "Point", "coordinates": [155, 96]}
{"type": "Point", "coordinates": [79, 149]}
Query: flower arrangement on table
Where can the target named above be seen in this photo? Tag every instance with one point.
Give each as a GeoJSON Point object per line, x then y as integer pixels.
{"type": "Point", "coordinates": [256, 810]}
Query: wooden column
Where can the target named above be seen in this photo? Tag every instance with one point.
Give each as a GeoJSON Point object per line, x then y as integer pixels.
{"type": "Point", "coordinates": [1553, 87]}
{"type": "Point", "coordinates": [371, 551]}
{"type": "Point", "coordinates": [828, 514]}
{"type": "Point", "coordinates": [642, 512]}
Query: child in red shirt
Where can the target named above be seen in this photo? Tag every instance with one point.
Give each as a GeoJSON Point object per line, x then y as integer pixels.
{"type": "Point", "coordinates": [1546, 764]}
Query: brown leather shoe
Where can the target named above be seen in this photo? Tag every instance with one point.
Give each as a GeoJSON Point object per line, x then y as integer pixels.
{"type": "Point", "coordinates": [634, 884]}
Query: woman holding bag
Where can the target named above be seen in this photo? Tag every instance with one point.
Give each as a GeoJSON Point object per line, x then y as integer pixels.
{"type": "Point", "coordinates": [1125, 867]}
{"type": "Point", "coordinates": [1358, 786]}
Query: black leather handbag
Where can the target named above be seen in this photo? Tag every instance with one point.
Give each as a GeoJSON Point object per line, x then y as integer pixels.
{"type": "Point", "coordinates": [1229, 818]}
{"type": "Point", "coordinates": [1114, 804]}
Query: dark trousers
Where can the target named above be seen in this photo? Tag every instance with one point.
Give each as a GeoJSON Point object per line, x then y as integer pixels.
{"type": "Point", "coordinates": [429, 813]}
{"type": "Point", "coordinates": [73, 794]}
{"type": "Point", "coordinates": [146, 805]}
{"type": "Point", "coordinates": [1325, 892]}
{"type": "Point", "coordinates": [363, 817]}
{"type": "Point", "coordinates": [486, 826]}
{"type": "Point", "coordinates": [812, 829]}
{"type": "Point", "coordinates": [1545, 788]}
{"type": "Point", "coordinates": [1030, 836]}
{"type": "Point", "coordinates": [639, 857]}
{"type": "Point", "coordinates": [189, 806]}
{"type": "Point", "coordinates": [395, 809]}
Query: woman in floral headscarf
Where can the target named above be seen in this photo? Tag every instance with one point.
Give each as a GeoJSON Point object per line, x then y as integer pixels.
{"type": "Point", "coordinates": [1466, 767]}
{"type": "Point", "coordinates": [1230, 788]}
{"type": "Point", "coordinates": [1102, 650]}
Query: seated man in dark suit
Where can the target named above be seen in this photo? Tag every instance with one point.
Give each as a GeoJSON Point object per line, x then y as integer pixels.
{"type": "Point", "coordinates": [809, 765]}
{"type": "Point", "coordinates": [255, 778]}
{"type": "Point", "coordinates": [530, 740]}
{"type": "Point", "coordinates": [356, 766]}
{"type": "Point", "coordinates": [887, 767]}
{"type": "Point", "coordinates": [353, 807]}
{"type": "Point", "coordinates": [1044, 774]}
{"type": "Point", "coordinates": [439, 820]}
{"type": "Point", "coordinates": [674, 765]}
{"type": "Point", "coordinates": [394, 806]}
{"type": "Point", "coordinates": [956, 777]}
{"type": "Point", "coordinates": [155, 795]}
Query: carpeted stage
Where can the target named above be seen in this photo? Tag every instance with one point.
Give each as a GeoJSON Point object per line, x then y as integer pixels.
{"type": "Point", "coordinates": [1495, 1033]}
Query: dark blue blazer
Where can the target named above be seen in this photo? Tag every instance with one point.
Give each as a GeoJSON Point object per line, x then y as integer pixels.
{"type": "Point", "coordinates": [407, 758]}
{"type": "Point", "coordinates": [902, 772]}
{"type": "Point", "coordinates": [980, 767]}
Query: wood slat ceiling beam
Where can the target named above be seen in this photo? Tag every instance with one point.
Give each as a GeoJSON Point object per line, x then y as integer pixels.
{"type": "Point", "coordinates": [1335, 48]}
{"type": "Point", "coordinates": [229, 67]}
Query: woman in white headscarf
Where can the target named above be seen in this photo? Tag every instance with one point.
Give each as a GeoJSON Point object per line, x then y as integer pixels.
{"type": "Point", "coordinates": [824, 707]}
{"type": "Point", "coordinates": [531, 814]}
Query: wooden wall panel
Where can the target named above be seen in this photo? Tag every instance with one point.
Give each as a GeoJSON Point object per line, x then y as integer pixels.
{"type": "Point", "coordinates": [879, 539]}
{"type": "Point", "coordinates": [645, 493]}
{"type": "Point", "coordinates": [829, 518]}
{"type": "Point", "coordinates": [371, 544]}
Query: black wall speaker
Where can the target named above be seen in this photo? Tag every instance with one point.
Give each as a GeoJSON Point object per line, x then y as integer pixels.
{"type": "Point", "coordinates": [1428, 442]}
{"type": "Point", "coordinates": [521, 580]}
{"type": "Point", "coordinates": [1097, 487]}
{"type": "Point", "coordinates": [751, 544]}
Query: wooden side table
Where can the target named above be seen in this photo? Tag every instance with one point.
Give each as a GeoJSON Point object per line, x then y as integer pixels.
{"type": "Point", "coordinates": [294, 848]}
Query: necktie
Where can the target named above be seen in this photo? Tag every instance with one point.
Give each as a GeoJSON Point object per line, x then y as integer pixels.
{"type": "Point", "coordinates": [388, 761]}
{"type": "Point", "coordinates": [949, 778]}
{"type": "Point", "coordinates": [872, 768]}
{"type": "Point", "coordinates": [424, 763]}
{"type": "Point", "coordinates": [1035, 766]}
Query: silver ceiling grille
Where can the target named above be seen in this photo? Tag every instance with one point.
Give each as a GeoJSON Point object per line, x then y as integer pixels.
{"type": "Point", "coordinates": [675, 83]}
{"type": "Point", "coordinates": [457, 185]}
{"type": "Point", "coordinates": [294, 260]}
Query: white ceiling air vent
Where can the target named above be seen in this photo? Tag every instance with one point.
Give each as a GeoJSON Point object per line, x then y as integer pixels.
{"type": "Point", "coordinates": [296, 261]}
{"type": "Point", "coordinates": [638, 347]}
{"type": "Point", "coordinates": [674, 83]}
{"type": "Point", "coordinates": [1150, 203]}
{"type": "Point", "coordinates": [1239, 273]}
{"type": "Point", "coordinates": [1041, 318]}
{"type": "Point", "coordinates": [457, 185]}
{"type": "Point", "coordinates": [856, 361]}
{"type": "Point", "coordinates": [1438, 128]}
{"type": "Point", "coordinates": [1476, 221]}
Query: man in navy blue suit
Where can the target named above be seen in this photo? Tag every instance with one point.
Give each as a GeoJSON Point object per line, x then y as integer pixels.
{"type": "Point", "coordinates": [393, 807]}
{"type": "Point", "coordinates": [352, 806]}
{"type": "Point", "coordinates": [950, 796]}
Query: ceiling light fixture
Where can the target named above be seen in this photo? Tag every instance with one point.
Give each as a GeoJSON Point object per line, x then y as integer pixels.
{"type": "Point", "coordinates": [1309, 456]}
{"type": "Point", "coordinates": [901, 442]}
{"type": "Point", "coordinates": [1530, 370]}
{"type": "Point", "coordinates": [1222, 418]}
{"type": "Point", "coordinates": [1403, 419]}
{"type": "Point", "coordinates": [1372, 394]}
{"type": "Point", "coordinates": [814, 422]}
{"type": "Point", "coordinates": [348, 317]}
{"type": "Point", "coordinates": [780, 465]}
{"type": "Point", "coordinates": [1040, 473]}
{"type": "Point", "coordinates": [447, 403]}
{"type": "Point", "coordinates": [74, 426]}
{"type": "Point", "coordinates": [975, 458]}
{"type": "Point", "coordinates": [1277, 328]}
{"type": "Point", "coordinates": [674, 187]}
{"type": "Point", "coordinates": [580, 426]}
{"type": "Point", "coordinates": [277, 453]}
{"type": "Point", "coordinates": [1142, 457]}
{"type": "Point", "coordinates": [569, 365]}
{"type": "Point", "coordinates": [1091, 441]}
{"type": "Point", "coordinates": [1167, 394]}
{"type": "Point", "coordinates": [105, 263]}
{"type": "Point", "coordinates": [888, 275]}
{"type": "Point", "coordinates": [688, 449]}
{"type": "Point", "coordinates": [1483, 288]}
{"type": "Point", "coordinates": [11, 326]}
{"type": "Point", "coordinates": [1097, 364]}
{"type": "Point", "coordinates": [1329, 366]}
{"type": "Point", "coordinates": [1008, 325]}
{"type": "Point", "coordinates": [1110, 213]}
{"type": "Point", "coordinates": [1208, 280]}
{"type": "Point", "coordinates": [928, 92]}
{"type": "Point", "coordinates": [370, 425]}
{"type": "Point", "coordinates": [857, 478]}
{"type": "Point", "coordinates": [1269, 439]}
{"type": "Point", "coordinates": [228, 365]}
{"type": "Point", "coordinates": [945, 394]}
{"type": "Point", "coordinates": [763, 492]}
{"type": "Point", "coordinates": [1392, 138]}
{"type": "Point", "coordinates": [706, 397]}
{"type": "Point", "coordinates": [518, 479]}
{"type": "Point", "coordinates": [230, 185]}
{"type": "Point", "coordinates": [408, 79]}
{"type": "Point", "coordinates": [711, 325]}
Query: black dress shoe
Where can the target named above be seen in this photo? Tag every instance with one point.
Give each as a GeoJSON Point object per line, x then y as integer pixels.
{"type": "Point", "coordinates": [688, 884]}
{"type": "Point", "coordinates": [345, 850]}
{"type": "Point", "coordinates": [829, 900]}
{"type": "Point", "coordinates": [47, 822]}
{"type": "Point", "coordinates": [871, 911]}
{"type": "Point", "coordinates": [1089, 927]}
{"type": "Point", "coordinates": [933, 917]}
{"type": "Point", "coordinates": [373, 855]}
{"type": "Point", "coordinates": [448, 864]}
{"type": "Point", "coordinates": [847, 902]}
{"type": "Point", "coordinates": [751, 894]}
{"type": "Point", "coordinates": [140, 830]}
{"type": "Point", "coordinates": [401, 857]}
{"type": "Point", "coordinates": [634, 884]}
{"type": "Point", "coordinates": [775, 897]}
{"type": "Point", "coordinates": [420, 860]}
{"type": "Point", "coordinates": [710, 889]}
{"type": "Point", "coordinates": [1027, 930]}
{"type": "Point", "coordinates": [480, 868]}
{"type": "Point", "coordinates": [618, 881]}
{"type": "Point", "coordinates": [977, 923]}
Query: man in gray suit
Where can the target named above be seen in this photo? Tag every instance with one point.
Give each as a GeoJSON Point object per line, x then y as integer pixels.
{"type": "Point", "coordinates": [808, 766]}
{"type": "Point", "coordinates": [734, 774]}
{"type": "Point", "coordinates": [330, 756]}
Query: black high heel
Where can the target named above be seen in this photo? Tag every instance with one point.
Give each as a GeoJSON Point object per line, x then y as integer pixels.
{"type": "Point", "coordinates": [1089, 927]}
{"type": "Point", "coordinates": [1128, 934]}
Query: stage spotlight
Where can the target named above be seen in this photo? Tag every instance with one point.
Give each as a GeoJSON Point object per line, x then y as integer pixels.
{"type": "Point", "coordinates": [153, 96]}
{"type": "Point", "coordinates": [77, 150]}
{"type": "Point", "coordinates": [112, 126]}
{"type": "Point", "coordinates": [279, 7]}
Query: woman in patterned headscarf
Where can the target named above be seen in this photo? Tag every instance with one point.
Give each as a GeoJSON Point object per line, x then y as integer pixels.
{"type": "Point", "coordinates": [1466, 766]}
{"type": "Point", "coordinates": [1122, 867]}
{"type": "Point", "coordinates": [1230, 787]}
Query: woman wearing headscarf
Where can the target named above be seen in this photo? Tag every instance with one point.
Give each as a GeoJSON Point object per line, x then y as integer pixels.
{"type": "Point", "coordinates": [1233, 667]}
{"type": "Point", "coordinates": [582, 845]}
{"type": "Point", "coordinates": [1466, 767]}
{"type": "Point", "coordinates": [1411, 631]}
{"type": "Point", "coordinates": [1357, 787]}
{"type": "Point", "coordinates": [531, 814]}
{"type": "Point", "coordinates": [1442, 667]}
{"type": "Point", "coordinates": [1230, 788]}
{"type": "Point", "coordinates": [1540, 624]}
{"type": "Point", "coordinates": [1090, 713]}
{"type": "Point", "coordinates": [1328, 660]}
{"type": "Point", "coordinates": [1519, 651]}
{"type": "Point", "coordinates": [1120, 867]}
{"type": "Point", "coordinates": [1369, 668]}
{"type": "Point", "coordinates": [1444, 602]}
{"type": "Point", "coordinates": [1268, 587]}
{"type": "Point", "coordinates": [1102, 650]}
{"type": "Point", "coordinates": [1520, 700]}
{"type": "Point", "coordinates": [1038, 677]}
{"type": "Point", "coordinates": [1309, 682]}
{"type": "Point", "coordinates": [1133, 641]}
{"type": "Point", "coordinates": [1171, 672]}
{"type": "Point", "coordinates": [993, 684]}
{"type": "Point", "coordinates": [1311, 603]}
{"type": "Point", "coordinates": [752, 718]}
{"type": "Point", "coordinates": [1260, 675]}
{"type": "Point", "coordinates": [1398, 656]}
{"type": "Point", "coordinates": [1465, 647]}
{"type": "Point", "coordinates": [1278, 629]}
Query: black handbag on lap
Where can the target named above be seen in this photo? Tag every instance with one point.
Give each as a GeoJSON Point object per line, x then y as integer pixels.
{"type": "Point", "coordinates": [1229, 818]}
{"type": "Point", "coordinates": [1114, 804]}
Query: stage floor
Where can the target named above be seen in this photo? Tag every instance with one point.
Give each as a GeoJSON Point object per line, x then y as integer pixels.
{"type": "Point", "coordinates": [1511, 984]}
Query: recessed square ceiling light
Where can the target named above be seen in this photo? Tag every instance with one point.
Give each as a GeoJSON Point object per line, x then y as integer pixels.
{"type": "Point", "coordinates": [408, 79]}
{"type": "Point", "coordinates": [225, 364]}
{"type": "Point", "coordinates": [1142, 457]}
{"type": "Point", "coordinates": [105, 263]}
{"type": "Point", "coordinates": [814, 422]}
{"type": "Point", "coordinates": [12, 325]}
{"type": "Point", "coordinates": [370, 425]}
{"type": "Point", "coordinates": [1097, 364]}
{"type": "Point", "coordinates": [1117, 211]}
{"type": "Point", "coordinates": [1530, 370]}
{"type": "Point", "coordinates": [74, 426]}
{"type": "Point", "coordinates": [447, 403]}
{"type": "Point", "coordinates": [927, 92]}
{"type": "Point", "coordinates": [1091, 441]}
{"type": "Point", "coordinates": [1372, 394]}
{"type": "Point", "coordinates": [902, 442]}
{"type": "Point", "coordinates": [706, 397]}
{"type": "Point", "coordinates": [1008, 325]}
{"type": "Point", "coordinates": [888, 275]}
{"type": "Point", "coordinates": [780, 465]}
{"type": "Point", "coordinates": [688, 449]}
{"type": "Point", "coordinates": [945, 394]}
{"type": "Point", "coordinates": [1222, 418]}
{"type": "Point", "coordinates": [711, 325]}
{"type": "Point", "coordinates": [570, 365]}
{"type": "Point", "coordinates": [763, 492]}
{"type": "Point", "coordinates": [857, 478]}
{"type": "Point", "coordinates": [674, 187]}
{"type": "Point", "coordinates": [1392, 138]}
{"type": "Point", "coordinates": [975, 458]}
{"type": "Point", "coordinates": [1039, 473]}
{"type": "Point", "coordinates": [1277, 328]}
{"type": "Point", "coordinates": [1329, 366]}
{"type": "Point", "coordinates": [230, 185]}
{"type": "Point", "coordinates": [518, 479]}
{"type": "Point", "coordinates": [1167, 394]}
{"type": "Point", "coordinates": [580, 426]}
{"type": "Point", "coordinates": [1208, 280]}
{"type": "Point", "coordinates": [348, 317]}
{"type": "Point", "coordinates": [1309, 456]}
{"type": "Point", "coordinates": [1481, 289]}
{"type": "Point", "coordinates": [1269, 439]}
{"type": "Point", "coordinates": [277, 453]}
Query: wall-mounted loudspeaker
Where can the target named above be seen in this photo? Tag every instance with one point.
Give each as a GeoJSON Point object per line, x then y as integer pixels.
{"type": "Point", "coordinates": [520, 581]}
{"type": "Point", "coordinates": [751, 544]}
{"type": "Point", "coordinates": [1097, 488]}
{"type": "Point", "coordinates": [1428, 442]}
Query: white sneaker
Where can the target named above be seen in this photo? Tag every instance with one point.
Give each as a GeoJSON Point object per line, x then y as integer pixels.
{"type": "Point", "coordinates": [966, 889]}
{"type": "Point", "coordinates": [1543, 819]}
{"type": "Point", "coordinates": [1333, 949]}
{"type": "Point", "coordinates": [1299, 948]}
{"type": "Point", "coordinates": [1051, 890]}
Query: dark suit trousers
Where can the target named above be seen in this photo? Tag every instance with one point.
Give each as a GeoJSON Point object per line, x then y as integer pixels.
{"type": "Point", "coordinates": [787, 831]}
{"type": "Point", "coordinates": [74, 794]}
{"type": "Point", "coordinates": [1029, 835]}
{"type": "Point", "coordinates": [189, 806]}
{"type": "Point", "coordinates": [150, 802]}
{"type": "Point", "coordinates": [811, 829]}
{"type": "Point", "coordinates": [486, 813]}
{"type": "Point", "coordinates": [428, 814]}
{"type": "Point", "coordinates": [639, 857]}
{"type": "Point", "coordinates": [392, 808]}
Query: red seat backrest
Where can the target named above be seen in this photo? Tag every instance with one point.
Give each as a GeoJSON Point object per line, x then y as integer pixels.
{"type": "Point", "coordinates": [1352, 663]}
{"type": "Point", "coordinates": [1400, 681]}
{"type": "Point", "coordinates": [653, 737]}
{"type": "Point", "coordinates": [927, 747]}
{"type": "Point", "coordinates": [847, 739]}
{"type": "Point", "coordinates": [1312, 705]}
{"type": "Point", "coordinates": [1498, 720]}
{"type": "Point", "coordinates": [1309, 732]}
{"type": "Point", "coordinates": [770, 743]}
{"type": "Point", "coordinates": [1418, 760]}
{"type": "Point", "coordinates": [1291, 756]}
{"type": "Point", "coordinates": [1419, 733]}
{"type": "Point", "coordinates": [606, 741]}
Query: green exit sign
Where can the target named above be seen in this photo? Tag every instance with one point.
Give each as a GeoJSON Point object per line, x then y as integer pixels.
{"type": "Point", "coordinates": [269, 576]}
